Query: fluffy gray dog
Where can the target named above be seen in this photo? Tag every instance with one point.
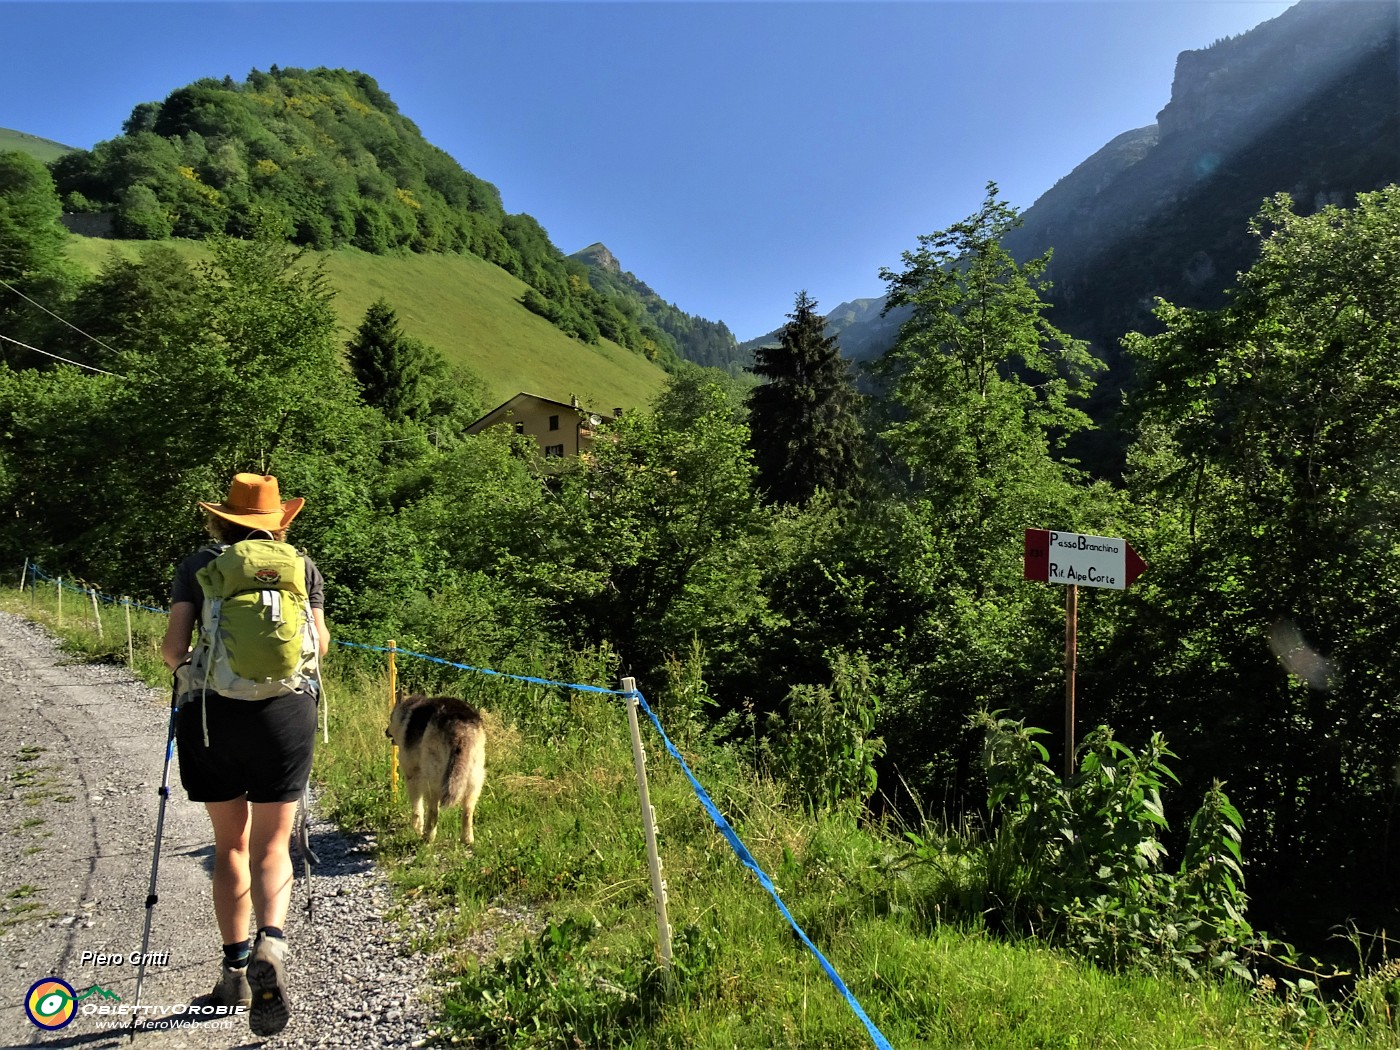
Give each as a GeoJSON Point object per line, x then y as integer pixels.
{"type": "Point", "coordinates": [442, 748]}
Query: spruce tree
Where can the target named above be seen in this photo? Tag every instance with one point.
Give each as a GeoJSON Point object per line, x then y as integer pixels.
{"type": "Point", "coordinates": [396, 372]}
{"type": "Point", "coordinates": [805, 420]}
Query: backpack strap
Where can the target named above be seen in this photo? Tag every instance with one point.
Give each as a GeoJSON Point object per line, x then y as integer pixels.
{"type": "Point", "coordinates": [215, 604]}
{"type": "Point", "coordinates": [209, 637]}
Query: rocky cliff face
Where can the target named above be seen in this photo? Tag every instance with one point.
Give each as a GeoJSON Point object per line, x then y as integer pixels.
{"type": "Point", "coordinates": [597, 254]}
{"type": "Point", "coordinates": [1307, 103]}
{"type": "Point", "coordinates": [1255, 78]}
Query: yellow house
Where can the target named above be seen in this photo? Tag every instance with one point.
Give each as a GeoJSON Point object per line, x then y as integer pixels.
{"type": "Point", "coordinates": [560, 428]}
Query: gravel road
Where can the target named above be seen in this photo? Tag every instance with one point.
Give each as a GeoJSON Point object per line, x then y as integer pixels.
{"type": "Point", "coordinates": [81, 752]}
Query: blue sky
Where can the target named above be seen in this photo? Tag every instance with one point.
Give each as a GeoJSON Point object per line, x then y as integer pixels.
{"type": "Point", "coordinates": [729, 154]}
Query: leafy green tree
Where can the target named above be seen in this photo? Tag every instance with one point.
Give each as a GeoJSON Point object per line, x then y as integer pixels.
{"type": "Point", "coordinates": [136, 308]}
{"type": "Point", "coordinates": [660, 524]}
{"type": "Point", "coordinates": [1268, 434]}
{"type": "Point", "coordinates": [985, 382]}
{"type": "Point", "coordinates": [490, 563]}
{"type": "Point", "coordinates": [141, 216]}
{"type": "Point", "coordinates": [805, 420]}
{"type": "Point", "coordinates": [981, 389]}
{"type": "Point", "coordinates": [32, 242]}
{"type": "Point", "coordinates": [246, 375]}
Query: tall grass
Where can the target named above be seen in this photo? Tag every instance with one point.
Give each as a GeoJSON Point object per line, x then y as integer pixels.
{"type": "Point", "coordinates": [546, 935]}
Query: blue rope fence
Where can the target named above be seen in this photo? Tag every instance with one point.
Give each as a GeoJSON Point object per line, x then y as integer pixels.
{"type": "Point", "coordinates": [746, 858]}
{"type": "Point", "coordinates": [40, 574]}
{"type": "Point", "coordinates": [735, 843]}
{"type": "Point", "coordinates": [482, 670]}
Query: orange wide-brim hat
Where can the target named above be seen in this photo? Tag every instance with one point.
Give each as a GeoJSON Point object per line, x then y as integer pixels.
{"type": "Point", "coordinates": [253, 500]}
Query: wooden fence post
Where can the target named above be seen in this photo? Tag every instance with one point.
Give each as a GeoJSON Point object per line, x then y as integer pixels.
{"type": "Point", "coordinates": [658, 884]}
{"type": "Point", "coordinates": [393, 748]}
{"type": "Point", "coordinates": [130, 648]}
{"type": "Point", "coordinates": [59, 584]}
{"type": "Point", "coordinates": [96, 613]}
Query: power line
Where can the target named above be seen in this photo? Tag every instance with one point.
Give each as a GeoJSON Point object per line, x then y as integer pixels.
{"type": "Point", "coordinates": [55, 316]}
{"type": "Point", "coordinates": [65, 360]}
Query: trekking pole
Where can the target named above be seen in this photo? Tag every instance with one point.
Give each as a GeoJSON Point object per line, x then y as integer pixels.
{"type": "Point", "coordinates": [155, 856]}
{"type": "Point", "coordinates": [303, 827]}
{"type": "Point", "coordinates": [304, 844]}
{"type": "Point", "coordinates": [324, 698]}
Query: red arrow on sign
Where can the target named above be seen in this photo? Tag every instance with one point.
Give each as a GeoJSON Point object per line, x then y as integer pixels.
{"type": "Point", "coordinates": [1133, 566]}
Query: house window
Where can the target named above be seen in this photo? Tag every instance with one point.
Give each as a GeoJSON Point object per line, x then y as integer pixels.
{"type": "Point", "coordinates": [554, 452]}
{"type": "Point", "coordinates": [553, 422]}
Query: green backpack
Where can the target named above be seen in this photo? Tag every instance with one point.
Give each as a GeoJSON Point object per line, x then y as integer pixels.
{"type": "Point", "coordinates": [257, 635]}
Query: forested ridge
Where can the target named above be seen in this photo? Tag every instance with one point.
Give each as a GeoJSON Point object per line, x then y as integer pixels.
{"type": "Point", "coordinates": [325, 156]}
{"type": "Point", "coordinates": [828, 585]}
{"type": "Point", "coordinates": [707, 343]}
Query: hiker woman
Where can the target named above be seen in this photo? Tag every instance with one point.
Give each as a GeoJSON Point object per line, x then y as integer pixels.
{"type": "Point", "coordinates": [247, 722]}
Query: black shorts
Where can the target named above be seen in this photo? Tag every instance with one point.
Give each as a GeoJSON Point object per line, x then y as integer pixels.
{"type": "Point", "coordinates": [258, 748]}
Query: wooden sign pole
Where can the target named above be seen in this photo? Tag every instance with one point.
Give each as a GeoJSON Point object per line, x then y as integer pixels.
{"type": "Point", "coordinates": [1071, 660]}
{"type": "Point", "coordinates": [1072, 558]}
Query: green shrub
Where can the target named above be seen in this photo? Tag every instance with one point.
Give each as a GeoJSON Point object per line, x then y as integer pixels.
{"type": "Point", "coordinates": [824, 747]}
{"type": "Point", "coordinates": [1082, 863]}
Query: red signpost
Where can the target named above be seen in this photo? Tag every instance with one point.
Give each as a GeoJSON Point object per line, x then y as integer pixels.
{"type": "Point", "coordinates": [1073, 558]}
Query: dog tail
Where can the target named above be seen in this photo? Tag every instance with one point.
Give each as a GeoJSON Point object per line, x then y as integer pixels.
{"type": "Point", "coordinates": [459, 776]}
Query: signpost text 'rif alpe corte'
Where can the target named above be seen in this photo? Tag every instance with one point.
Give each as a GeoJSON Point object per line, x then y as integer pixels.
{"type": "Point", "coordinates": [1072, 558]}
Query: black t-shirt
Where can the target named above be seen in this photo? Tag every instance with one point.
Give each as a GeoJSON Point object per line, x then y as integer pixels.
{"type": "Point", "coordinates": [186, 588]}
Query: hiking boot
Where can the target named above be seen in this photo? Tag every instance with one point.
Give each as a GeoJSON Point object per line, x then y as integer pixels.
{"type": "Point", "coordinates": [267, 979]}
{"type": "Point", "coordinates": [232, 989]}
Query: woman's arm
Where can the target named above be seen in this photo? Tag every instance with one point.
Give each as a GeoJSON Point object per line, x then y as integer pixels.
{"type": "Point", "coordinates": [323, 634]}
{"type": "Point", "coordinates": [175, 648]}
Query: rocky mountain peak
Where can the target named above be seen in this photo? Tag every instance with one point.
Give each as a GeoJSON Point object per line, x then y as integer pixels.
{"type": "Point", "coordinates": [597, 254]}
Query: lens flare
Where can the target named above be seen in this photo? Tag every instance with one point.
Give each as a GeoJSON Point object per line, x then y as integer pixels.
{"type": "Point", "coordinates": [1299, 658]}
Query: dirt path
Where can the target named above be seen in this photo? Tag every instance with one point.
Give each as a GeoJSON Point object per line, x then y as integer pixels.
{"type": "Point", "coordinates": [81, 752]}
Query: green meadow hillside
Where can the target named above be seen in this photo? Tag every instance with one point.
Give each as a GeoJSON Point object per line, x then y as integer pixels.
{"type": "Point", "coordinates": [44, 150]}
{"type": "Point", "coordinates": [468, 309]}
{"type": "Point", "coordinates": [325, 157]}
